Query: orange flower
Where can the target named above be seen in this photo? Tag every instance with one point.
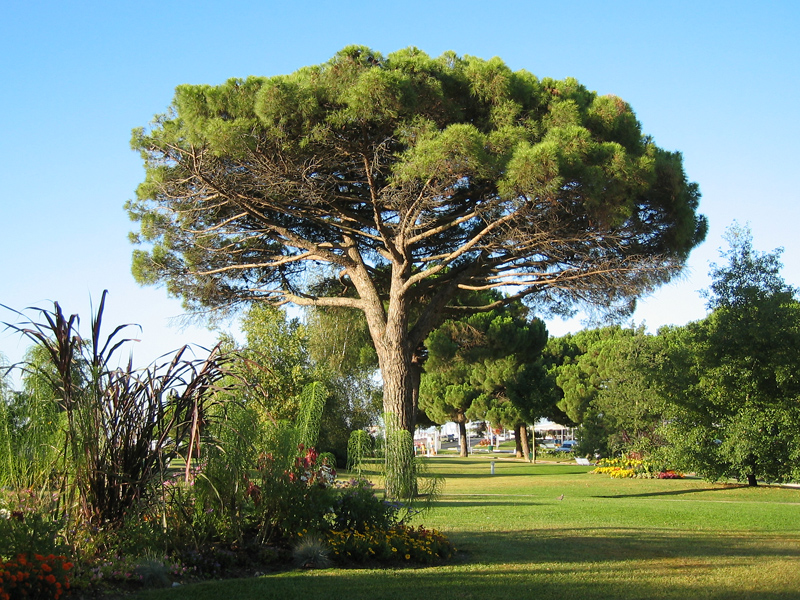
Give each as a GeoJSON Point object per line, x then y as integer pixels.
{"type": "Point", "coordinates": [46, 568]}
{"type": "Point", "coordinates": [50, 578]}
{"type": "Point", "coordinates": [67, 566]}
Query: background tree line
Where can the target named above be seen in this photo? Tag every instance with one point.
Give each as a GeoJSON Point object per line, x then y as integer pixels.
{"type": "Point", "coordinates": [719, 397]}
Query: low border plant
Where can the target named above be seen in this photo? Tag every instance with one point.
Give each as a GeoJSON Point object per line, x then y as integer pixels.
{"type": "Point", "coordinates": [366, 528]}
{"type": "Point", "coordinates": [399, 543]}
{"type": "Point", "coordinates": [35, 576]}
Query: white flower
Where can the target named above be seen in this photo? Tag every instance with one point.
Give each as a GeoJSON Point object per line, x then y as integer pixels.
{"type": "Point", "coordinates": [4, 514]}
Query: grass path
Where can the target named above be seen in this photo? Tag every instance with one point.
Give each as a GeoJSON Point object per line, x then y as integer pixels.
{"type": "Point", "coordinates": [620, 539]}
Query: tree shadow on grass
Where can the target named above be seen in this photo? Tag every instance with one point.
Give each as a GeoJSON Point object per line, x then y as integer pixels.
{"type": "Point", "coordinates": [552, 564]}
{"type": "Point", "coordinates": [473, 502]}
{"type": "Point", "coordinates": [672, 492]}
{"type": "Point", "coordinates": [510, 470]}
{"type": "Point", "coordinates": [599, 545]}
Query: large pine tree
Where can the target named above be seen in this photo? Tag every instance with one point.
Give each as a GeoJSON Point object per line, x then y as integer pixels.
{"type": "Point", "coordinates": [415, 179]}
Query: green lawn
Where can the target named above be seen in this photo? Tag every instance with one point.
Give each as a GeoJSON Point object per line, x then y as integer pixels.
{"type": "Point", "coordinates": [620, 539]}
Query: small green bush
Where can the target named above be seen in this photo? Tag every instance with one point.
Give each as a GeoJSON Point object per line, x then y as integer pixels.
{"type": "Point", "coordinates": [356, 507]}
{"type": "Point", "coordinates": [153, 572]}
{"type": "Point", "coordinates": [312, 552]}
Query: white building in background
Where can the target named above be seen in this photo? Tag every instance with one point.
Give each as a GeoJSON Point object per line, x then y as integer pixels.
{"type": "Point", "coordinates": [544, 429]}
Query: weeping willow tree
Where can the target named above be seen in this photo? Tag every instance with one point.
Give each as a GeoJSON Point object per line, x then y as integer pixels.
{"type": "Point", "coordinates": [312, 405]}
{"type": "Point", "coordinates": [404, 475]}
{"type": "Point", "coordinates": [246, 455]}
{"type": "Point", "coordinates": [400, 470]}
{"type": "Point", "coordinates": [360, 449]}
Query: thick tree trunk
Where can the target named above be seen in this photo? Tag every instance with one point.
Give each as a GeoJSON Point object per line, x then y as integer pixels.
{"type": "Point", "coordinates": [751, 480]}
{"type": "Point", "coordinates": [400, 367]}
{"type": "Point", "coordinates": [399, 375]}
{"type": "Point", "coordinates": [400, 418]}
{"type": "Point", "coordinates": [518, 442]}
{"type": "Point", "coordinates": [523, 434]}
{"type": "Point", "coordinates": [401, 371]}
{"type": "Point", "coordinates": [462, 437]}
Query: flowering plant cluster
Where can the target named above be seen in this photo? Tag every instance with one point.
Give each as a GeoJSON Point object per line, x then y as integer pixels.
{"type": "Point", "coordinates": [630, 467]}
{"type": "Point", "coordinates": [312, 469]}
{"type": "Point", "coordinates": [287, 500]}
{"type": "Point", "coordinates": [308, 469]}
{"type": "Point", "coordinates": [399, 543]}
{"type": "Point", "coordinates": [34, 577]}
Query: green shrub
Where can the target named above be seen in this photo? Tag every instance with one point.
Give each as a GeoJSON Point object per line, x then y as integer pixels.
{"type": "Point", "coordinates": [356, 507]}
{"type": "Point", "coordinates": [153, 572]}
{"type": "Point", "coordinates": [312, 552]}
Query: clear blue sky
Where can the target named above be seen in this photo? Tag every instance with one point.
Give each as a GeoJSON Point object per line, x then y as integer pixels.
{"type": "Point", "coordinates": [718, 81]}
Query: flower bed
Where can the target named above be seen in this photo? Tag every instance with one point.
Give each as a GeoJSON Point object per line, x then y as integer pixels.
{"type": "Point", "coordinates": [34, 576]}
{"type": "Point", "coordinates": [399, 543]}
{"type": "Point", "coordinates": [627, 467]}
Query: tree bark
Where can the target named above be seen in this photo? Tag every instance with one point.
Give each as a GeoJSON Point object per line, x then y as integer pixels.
{"type": "Point", "coordinates": [399, 365]}
{"type": "Point", "coordinates": [523, 434]}
{"type": "Point", "coordinates": [462, 437]}
{"type": "Point", "coordinates": [397, 372]}
{"type": "Point", "coordinates": [401, 371]}
{"type": "Point", "coordinates": [751, 480]}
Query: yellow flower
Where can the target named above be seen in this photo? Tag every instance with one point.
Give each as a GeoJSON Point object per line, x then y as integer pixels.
{"type": "Point", "coordinates": [408, 556]}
